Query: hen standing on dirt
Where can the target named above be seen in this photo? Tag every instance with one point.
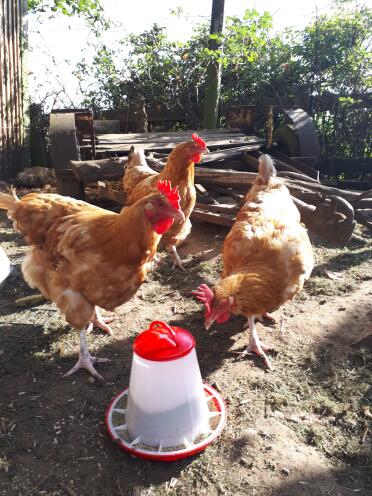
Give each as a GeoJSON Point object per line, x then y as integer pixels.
{"type": "Point", "coordinates": [179, 169]}
{"type": "Point", "coordinates": [82, 256]}
{"type": "Point", "coordinates": [267, 257]}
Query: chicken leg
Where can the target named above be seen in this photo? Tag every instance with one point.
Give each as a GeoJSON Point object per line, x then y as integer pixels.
{"type": "Point", "coordinates": [255, 345]}
{"type": "Point", "coordinates": [100, 322]}
{"type": "Point", "coordinates": [177, 262]}
{"type": "Point", "coordinates": [86, 360]}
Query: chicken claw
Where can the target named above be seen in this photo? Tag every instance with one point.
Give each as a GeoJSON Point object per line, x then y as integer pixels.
{"type": "Point", "coordinates": [255, 345]}
{"type": "Point", "coordinates": [270, 317]}
{"type": "Point", "coordinates": [86, 360]}
{"type": "Point", "coordinates": [100, 322]}
{"type": "Point", "coordinates": [266, 316]}
{"type": "Point", "coordinates": [177, 262]}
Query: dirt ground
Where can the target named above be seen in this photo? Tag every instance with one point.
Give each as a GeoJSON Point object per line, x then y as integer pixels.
{"type": "Point", "coordinates": [302, 430]}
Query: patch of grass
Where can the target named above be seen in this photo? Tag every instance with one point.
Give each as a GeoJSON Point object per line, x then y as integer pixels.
{"type": "Point", "coordinates": [351, 265]}
{"type": "Point", "coordinates": [341, 386]}
{"type": "Point", "coordinates": [317, 286]}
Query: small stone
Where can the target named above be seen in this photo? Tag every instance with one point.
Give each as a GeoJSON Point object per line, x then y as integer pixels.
{"type": "Point", "coordinates": [285, 471]}
{"type": "Point", "coordinates": [341, 309]}
{"type": "Point", "coordinates": [322, 302]}
{"type": "Point", "coordinates": [91, 380]}
{"type": "Point", "coordinates": [245, 463]}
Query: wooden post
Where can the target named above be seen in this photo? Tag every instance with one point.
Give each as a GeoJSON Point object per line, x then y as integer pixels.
{"type": "Point", "coordinates": [212, 87]}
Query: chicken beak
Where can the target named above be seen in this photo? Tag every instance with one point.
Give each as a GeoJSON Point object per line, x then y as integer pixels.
{"type": "Point", "coordinates": [178, 215]}
{"type": "Point", "coordinates": [208, 323]}
{"type": "Point", "coordinates": [206, 151]}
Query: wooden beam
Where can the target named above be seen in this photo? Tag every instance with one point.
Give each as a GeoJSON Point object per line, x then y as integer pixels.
{"type": "Point", "coordinates": [213, 218]}
{"type": "Point", "coordinates": [222, 208]}
{"type": "Point", "coordinates": [90, 171]}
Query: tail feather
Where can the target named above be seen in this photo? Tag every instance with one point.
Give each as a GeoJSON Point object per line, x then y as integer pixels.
{"type": "Point", "coordinates": [8, 201]}
{"type": "Point", "coordinates": [266, 169]}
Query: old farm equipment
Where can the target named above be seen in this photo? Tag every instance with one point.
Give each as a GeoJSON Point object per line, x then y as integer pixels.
{"type": "Point", "coordinates": [96, 158]}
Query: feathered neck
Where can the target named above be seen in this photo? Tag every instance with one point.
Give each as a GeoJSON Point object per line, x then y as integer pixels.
{"type": "Point", "coordinates": [130, 236]}
{"type": "Point", "coordinates": [251, 293]}
{"type": "Point", "coordinates": [178, 168]}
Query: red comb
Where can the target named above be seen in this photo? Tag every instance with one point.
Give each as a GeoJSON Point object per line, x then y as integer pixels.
{"type": "Point", "coordinates": [205, 295]}
{"type": "Point", "coordinates": [165, 187]}
{"type": "Point", "coordinates": [198, 140]}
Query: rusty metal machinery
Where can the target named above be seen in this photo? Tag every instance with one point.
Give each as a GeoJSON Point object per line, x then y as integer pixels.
{"type": "Point", "coordinates": [68, 128]}
{"type": "Point", "coordinates": [298, 137]}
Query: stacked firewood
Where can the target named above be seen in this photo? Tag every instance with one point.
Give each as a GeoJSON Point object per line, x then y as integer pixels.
{"type": "Point", "coordinates": [328, 212]}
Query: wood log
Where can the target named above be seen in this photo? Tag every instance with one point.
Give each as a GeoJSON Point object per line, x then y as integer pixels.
{"type": "Point", "coordinates": [241, 180]}
{"type": "Point", "coordinates": [222, 208]}
{"type": "Point", "coordinates": [284, 164]}
{"type": "Point", "coordinates": [362, 196]}
{"type": "Point", "coordinates": [295, 175]}
{"type": "Point", "coordinates": [212, 217]}
{"type": "Point", "coordinates": [113, 168]}
{"type": "Point", "coordinates": [90, 171]}
{"type": "Point", "coordinates": [289, 163]}
{"type": "Point", "coordinates": [323, 220]}
{"type": "Point", "coordinates": [229, 153]}
{"type": "Point", "coordinates": [207, 197]}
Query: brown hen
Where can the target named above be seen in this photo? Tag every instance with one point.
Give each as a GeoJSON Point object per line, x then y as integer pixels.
{"type": "Point", "coordinates": [82, 256]}
{"type": "Point", "coordinates": [179, 169]}
{"type": "Point", "coordinates": [267, 257]}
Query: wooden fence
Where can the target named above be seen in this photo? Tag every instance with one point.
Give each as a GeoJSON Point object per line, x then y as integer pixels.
{"type": "Point", "coordinates": [14, 154]}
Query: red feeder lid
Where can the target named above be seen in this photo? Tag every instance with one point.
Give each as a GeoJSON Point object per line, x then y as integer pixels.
{"type": "Point", "coordinates": [161, 342]}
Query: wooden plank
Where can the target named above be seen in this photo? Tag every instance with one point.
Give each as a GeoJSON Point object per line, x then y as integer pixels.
{"type": "Point", "coordinates": [207, 197]}
{"type": "Point", "coordinates": [171, 134]}
{"type": "Point", "coordinates": [220, 208]}
{"type": "Point", "coordinates": [122, 139]}
{"type": "Point", "coordinates": [294, 165]}
{"type": "Point", "coordinates": [282, 165]}
{"type": "Point", "coordinates": [213, 218]}
{"type": "Point", "coordinates": [229, 153]}
{"type": "Point", "coordinates": [222, 177]}
{"type": "Point", "coordinates": [169, 145]}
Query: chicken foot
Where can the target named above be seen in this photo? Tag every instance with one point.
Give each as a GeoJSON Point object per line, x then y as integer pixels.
{"type": "Point", "coordinates": [177, 262]}
{"type": "Point", "coordinates": [86, 360]}
{"type": "Point", "coordinates": [255, 345]}
{"type": "Point", "coordinates": [268, 317]}
{"type": "Point", "coordinates": [100, 322]}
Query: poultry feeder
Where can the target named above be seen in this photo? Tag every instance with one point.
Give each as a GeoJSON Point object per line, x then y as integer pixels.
{"type": "Point", "coordinates": [167, 413]}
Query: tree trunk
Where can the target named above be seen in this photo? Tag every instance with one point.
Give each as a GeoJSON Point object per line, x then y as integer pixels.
{"type": "Point", "coordinates": [212, 87]}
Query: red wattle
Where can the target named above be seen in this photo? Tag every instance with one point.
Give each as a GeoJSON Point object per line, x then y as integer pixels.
{"type": "Point", "coordinates": [196, 158]}
{"type": "Point", "coordinates": [223, 318]}
{"type": "Point", "coordinates": [163, 225]}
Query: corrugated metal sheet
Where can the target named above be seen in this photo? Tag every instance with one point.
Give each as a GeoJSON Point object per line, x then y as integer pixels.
{"type": "Point", "coordinates": [13, 135]}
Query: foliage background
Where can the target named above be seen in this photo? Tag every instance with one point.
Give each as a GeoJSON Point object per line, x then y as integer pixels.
{"type": "Point", "coordinates": [324, 68]}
